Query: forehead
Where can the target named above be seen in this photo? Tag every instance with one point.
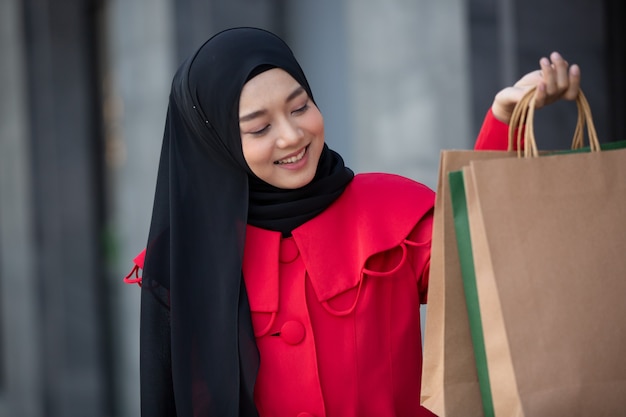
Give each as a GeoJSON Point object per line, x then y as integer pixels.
{"type": "Point", "coordinates": [270, 85]}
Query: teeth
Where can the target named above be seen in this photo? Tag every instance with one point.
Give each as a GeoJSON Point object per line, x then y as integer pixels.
{"type": "Point", "coordinates": [292, 159]}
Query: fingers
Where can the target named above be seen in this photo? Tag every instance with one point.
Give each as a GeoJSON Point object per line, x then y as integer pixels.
{"type": "Point", "coordinates": [555, 79]}
{"type": "Point", "coordinates": [574, 83]}
{"type": "Point", "coordinates": [559, 80]}
{"type": "Point", "coordinates": [554, 73]}
{"type": "Point", "coordinates": [561, 68]}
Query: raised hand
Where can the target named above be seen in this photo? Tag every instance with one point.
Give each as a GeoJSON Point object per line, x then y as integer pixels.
{"type": "Point", "coordinates": [555, 80]}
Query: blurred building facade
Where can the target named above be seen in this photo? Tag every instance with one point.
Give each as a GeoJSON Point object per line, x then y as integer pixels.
{"type": "Point", "coordinates": [85, 86]}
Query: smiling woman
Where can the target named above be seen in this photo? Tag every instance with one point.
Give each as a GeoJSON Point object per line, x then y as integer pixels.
{"type": "Point", "coordinates": [282, 130]}
{"type": "Point", "coordinates": [276, 282]}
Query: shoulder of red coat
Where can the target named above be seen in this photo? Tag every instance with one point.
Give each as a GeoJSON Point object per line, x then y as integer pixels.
{"type": "Point", "coordinates": [377, 202]}
{"type": "Point", "coordinates": [389, 183]}
{"type": "Point", "coordinates": [383, 192]}
{"type": "Point", "coordinates": [375, 213]}
{"type": "Point", "coordinates": [386, 204]}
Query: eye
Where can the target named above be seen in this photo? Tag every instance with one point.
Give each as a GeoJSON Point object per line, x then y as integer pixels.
{"type": "Point", "coordinates": [260, 132]}
{"type": "Point", "coordinates": [302, 109]}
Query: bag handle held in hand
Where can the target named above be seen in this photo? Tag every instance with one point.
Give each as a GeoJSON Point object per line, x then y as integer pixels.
{"type": "Point", "coordinates": [523, 117]}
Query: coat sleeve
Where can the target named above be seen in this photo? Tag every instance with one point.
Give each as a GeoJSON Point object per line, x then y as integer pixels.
{"type": "Point", "coordinates": [493, 135]}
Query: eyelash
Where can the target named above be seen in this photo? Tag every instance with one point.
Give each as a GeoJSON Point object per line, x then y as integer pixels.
{"type": "Point", "coordinates": [297, 111]}
{"type": "Point", "coordinates": [260, 132]}
{"type": "Point", "coordinates": [302, 109]}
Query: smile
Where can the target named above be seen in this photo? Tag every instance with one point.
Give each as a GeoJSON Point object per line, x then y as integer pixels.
{"type": "Point", "coordinates": [292, 159]}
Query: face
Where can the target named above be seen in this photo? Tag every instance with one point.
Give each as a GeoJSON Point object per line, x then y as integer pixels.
{"type": "Point", "coordinates": [282, 131]}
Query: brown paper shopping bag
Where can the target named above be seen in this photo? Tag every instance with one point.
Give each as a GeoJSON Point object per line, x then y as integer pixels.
{"type": "Point", "coordinates": [548, 236]}
{"type": "Point", "coordinates": [450, 383]}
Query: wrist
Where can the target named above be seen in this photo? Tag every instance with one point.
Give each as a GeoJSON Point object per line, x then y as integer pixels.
{"type": "Point", "coordinates": [501, 112]}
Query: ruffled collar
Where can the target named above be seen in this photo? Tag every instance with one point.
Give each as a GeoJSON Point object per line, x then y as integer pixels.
{"type": "Point", "coordinates": [336, 244]}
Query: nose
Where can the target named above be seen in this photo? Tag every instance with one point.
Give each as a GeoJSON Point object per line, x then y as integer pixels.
{"type": "Point", "coordinates": [290, 133]}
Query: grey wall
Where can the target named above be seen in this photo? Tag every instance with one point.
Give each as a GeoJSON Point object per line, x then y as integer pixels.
{"type": "Point", "coordinates": [409, 90]}
{"type": "Point", "coordinates": [63, 123]}
{"type": "Point", "coordinates": [54, 355]}
{"type": "Point", "coordinates": [20, 364]}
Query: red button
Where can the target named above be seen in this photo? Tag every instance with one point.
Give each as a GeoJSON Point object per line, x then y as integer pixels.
{"type": "Point", "coordinates": [288, 251]}
{"type": "Point", "coordinates": [292, 332]}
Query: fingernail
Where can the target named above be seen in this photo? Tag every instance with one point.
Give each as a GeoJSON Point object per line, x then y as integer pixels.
{"type": "Point", "coordinates": [544, 61]}
{"type": "Point", "coordinates": [574, 69]}
{"type": "Point", "coordinates": [555, 55]}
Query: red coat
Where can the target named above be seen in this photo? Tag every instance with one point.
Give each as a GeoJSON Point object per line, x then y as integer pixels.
{"type": "Point", "coordinates": [335, 308]}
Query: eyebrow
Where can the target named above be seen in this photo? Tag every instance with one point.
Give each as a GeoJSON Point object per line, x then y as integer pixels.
{"type": "Point", "coordinates": [299, 90]}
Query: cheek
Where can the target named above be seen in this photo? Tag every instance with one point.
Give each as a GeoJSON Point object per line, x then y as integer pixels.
{"type": "Point", "coordinates": [252, 152]}
{"type": "Point", "coordinates": [258, 154]}
{"type": "Point", "coordinates": [316, 124]}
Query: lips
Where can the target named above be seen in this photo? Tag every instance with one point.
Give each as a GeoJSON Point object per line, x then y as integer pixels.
{"type": "Point", "coordinates": [292, 159]}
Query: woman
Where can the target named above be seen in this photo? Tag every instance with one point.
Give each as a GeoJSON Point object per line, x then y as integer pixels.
{"type": "Point", "coordinates": [277, 283]}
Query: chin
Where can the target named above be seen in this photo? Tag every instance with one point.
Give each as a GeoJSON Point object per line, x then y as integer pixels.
{"type": "Point", "coordinates": [295, 183]}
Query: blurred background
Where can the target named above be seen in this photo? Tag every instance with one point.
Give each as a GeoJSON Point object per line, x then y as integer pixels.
{"type": "Point", "coordinates": [83, 96]}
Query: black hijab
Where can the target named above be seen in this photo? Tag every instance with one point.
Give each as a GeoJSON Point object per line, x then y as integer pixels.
{"type": "Point", "coordinates": [198, 352]}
